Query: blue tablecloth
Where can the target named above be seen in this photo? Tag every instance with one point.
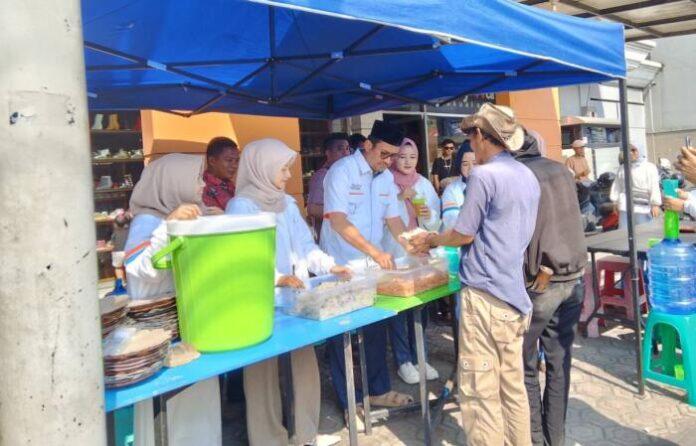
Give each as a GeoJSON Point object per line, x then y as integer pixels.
{"type": "Point", "coordinates": [289, 333]}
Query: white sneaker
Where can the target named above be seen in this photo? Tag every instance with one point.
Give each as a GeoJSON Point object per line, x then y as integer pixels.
{"type": "Point", "coordinates": [121, 155]}
{"type": "Point", "coordinates": [408, 373]}
{"type": "Point", "coordinates": [102, 154]}
{"type": "Point", "coordinates": [430, 372]}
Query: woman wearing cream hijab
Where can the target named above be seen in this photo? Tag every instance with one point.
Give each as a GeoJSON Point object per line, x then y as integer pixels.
{"type": "Point", "coordinates": [264, 171]}
{"type": "Point", "coordinates": [169, 189]}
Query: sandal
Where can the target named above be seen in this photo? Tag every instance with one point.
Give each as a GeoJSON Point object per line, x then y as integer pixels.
{"type": "Point", "coordinates": [359, 423]}
{"type": "Point", "coordinates": [391, 399]}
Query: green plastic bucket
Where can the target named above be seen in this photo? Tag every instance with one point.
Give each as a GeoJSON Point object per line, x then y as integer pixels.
{"type": "Point", "coordinates": [224, 274]}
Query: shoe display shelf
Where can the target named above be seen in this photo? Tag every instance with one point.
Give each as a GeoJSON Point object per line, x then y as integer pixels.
{"type": "Point", "coordinates": [117, 163]}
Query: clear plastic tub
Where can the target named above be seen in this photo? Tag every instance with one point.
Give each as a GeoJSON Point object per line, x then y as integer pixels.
{"type": "Point", "coordinates": [330, 297]}
{"type": "Point", "coordinates": [413, 276]}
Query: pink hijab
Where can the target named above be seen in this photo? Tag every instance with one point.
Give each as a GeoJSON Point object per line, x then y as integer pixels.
{"type": "Point", "coordinates": [405, 181]}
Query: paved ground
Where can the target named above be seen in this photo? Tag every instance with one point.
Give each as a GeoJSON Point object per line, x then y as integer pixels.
{"type": "Point", "coordinates": [604, 408]}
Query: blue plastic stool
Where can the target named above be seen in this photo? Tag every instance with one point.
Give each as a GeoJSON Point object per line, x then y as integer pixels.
{"type": "Point", "coordinates": [674, 331]}
{"type": "Point", "coordinates": [123, 426]}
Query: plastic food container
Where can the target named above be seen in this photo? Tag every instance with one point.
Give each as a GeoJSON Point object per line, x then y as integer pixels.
{"type": "Point", "coordinates": [329, 297]}
{"type": "Point", "coordinates": [451, 255]}
{"type": "Point", "coordinates": [413, 276]}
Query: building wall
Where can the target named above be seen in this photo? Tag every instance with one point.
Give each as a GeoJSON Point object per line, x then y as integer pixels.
{"type": "Point", "coordinates": [539, 111]}
{"type": "Point", "coordinates": [671, 100]}
{"type": "Point", "coordinates": [603, 99]}
{"type": "Point", "coordinates": [250, 128]}
{"type": "Point", "coordinates": [168, 133]}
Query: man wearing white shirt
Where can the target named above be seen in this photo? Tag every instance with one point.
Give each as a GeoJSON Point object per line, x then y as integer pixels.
{"type": "Point", "coordinates": [359, 201]}
{"type": "Point", "coordinates": [647, 198]}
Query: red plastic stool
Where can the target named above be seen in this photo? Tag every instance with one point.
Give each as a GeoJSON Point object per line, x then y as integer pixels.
{"type": "Point", "coordinates": [609, 295]}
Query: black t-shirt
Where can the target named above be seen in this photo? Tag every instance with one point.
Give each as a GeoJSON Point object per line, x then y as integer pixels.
{"type": "Point", "coordinates": [443, 168]}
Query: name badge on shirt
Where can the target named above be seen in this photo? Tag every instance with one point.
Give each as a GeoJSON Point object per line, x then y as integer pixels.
{"type": "Point", "coordinates": [355, 189]}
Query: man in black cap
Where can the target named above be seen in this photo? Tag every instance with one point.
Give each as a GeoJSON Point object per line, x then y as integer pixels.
{"type": "Point", "coordinates": [360, 200]}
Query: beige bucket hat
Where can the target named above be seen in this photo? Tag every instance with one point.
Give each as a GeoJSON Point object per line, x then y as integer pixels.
{"type": "Point", "coordinates": [499, 122]}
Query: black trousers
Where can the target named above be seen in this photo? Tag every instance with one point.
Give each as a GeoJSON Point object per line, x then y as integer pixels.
{"type": "Point", "coordinates": [554, 322]}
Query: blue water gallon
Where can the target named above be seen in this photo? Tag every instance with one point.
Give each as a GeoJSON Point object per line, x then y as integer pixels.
{"type": "Point", "coordinates": [672, 277]}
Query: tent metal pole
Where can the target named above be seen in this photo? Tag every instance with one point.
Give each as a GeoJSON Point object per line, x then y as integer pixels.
{"type": "Point", "coordinates": [217, 98]}
{"type": "Point", "coordinates": [500, 78]}
{"type": "Point", "coordinates": [633, 256]}
{"type": "Point", "coordinates": [272, 49]}
{"type": "Point", "coordinates": [371, 90]}
{"type": "Point", "coordinates": [308, 57]}
{"type": "Point", "coordinates": [352, 89]}
{"type": "Point", "coordinates": [319, 70]}
{"type": "Point", "coordinates": [424, 117]}
{"type": "Point", "coordinates": [169, 69]}
{"type": "Point", "coordinates": [51, 376]}
{"type": "Point", "coordinates": [356, 108]}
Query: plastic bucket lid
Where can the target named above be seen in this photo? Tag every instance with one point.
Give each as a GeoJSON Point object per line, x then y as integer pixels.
{"type": "Point", "coordinates": [221, 224]}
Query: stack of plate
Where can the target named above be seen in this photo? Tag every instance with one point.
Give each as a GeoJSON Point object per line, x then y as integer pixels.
{"type": "Point", "coordinates": [159, 312]}
{"type": "Point", "coordinates": [113, 311]}
{"type": "Point", "coordinates": [132, 355]}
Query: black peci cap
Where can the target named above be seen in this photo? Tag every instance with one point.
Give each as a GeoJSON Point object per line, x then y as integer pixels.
{"type": "Point", "coordinates": [388, 133]}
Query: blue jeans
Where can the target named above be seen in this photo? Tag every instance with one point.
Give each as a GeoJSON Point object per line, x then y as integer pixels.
{"type": "Point", "coordinates": [375, 338]}
{"type": "Point", "coordinates": [403, 337]}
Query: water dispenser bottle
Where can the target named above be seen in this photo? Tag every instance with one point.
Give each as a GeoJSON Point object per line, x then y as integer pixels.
{"type": "Point", "coordinates": [672, 273]}
{"type": "Point", "coordinates": [672, 269]}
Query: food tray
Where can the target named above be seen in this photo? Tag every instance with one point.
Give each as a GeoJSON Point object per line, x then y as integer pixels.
{"type": "Point", "coordinates": [413, 276]}
{"type": "Point", "coordinates": [328, 296]}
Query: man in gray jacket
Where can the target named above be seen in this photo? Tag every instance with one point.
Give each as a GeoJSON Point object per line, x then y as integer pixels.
{"type": "Point", "coordinates": [554, 265]}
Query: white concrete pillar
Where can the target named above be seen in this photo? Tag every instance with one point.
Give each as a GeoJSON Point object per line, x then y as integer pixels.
{"type": "Point", "coordinates": [51, 385]}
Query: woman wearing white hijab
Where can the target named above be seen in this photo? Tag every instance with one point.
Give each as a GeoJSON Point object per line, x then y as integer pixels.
{"type": "Point", "coordinates": [264, 171]}
{"type": "Point", "coordinates": [169, 189]}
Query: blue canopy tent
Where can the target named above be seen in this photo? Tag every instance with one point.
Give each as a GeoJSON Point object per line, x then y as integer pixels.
{"type": "Point", "coordinates": [327, 59]}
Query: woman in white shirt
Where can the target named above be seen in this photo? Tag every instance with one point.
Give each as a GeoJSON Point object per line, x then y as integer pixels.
{"type": "Point", "coordinates": [647, 197]}
{"type": "Point", "coordinates": [264, 171]}
{"type": "Point", "coordinates": [419, 206]}
{"type": "Point", "coordinates": [170, 188]}
{"type": "Point", "coordinates": [412, 186]}
{"type": "Point", "coordinates": [453, 196]}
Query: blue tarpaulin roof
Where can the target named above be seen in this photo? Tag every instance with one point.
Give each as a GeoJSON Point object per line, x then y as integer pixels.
{"type": "Point", "coordinates": [329, 59]}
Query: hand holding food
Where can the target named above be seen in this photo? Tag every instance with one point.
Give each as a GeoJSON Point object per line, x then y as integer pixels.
{"type": "Point", "coordinates": [290, 282]}
{"type": "Point", "coordinates": [341, 271]}
{"type": "Point", "coordinates": [185, 212]}
{"type": "Point", "coordinates": [417, 241]}
{"type": "Point", "coordinates": [383, 259]}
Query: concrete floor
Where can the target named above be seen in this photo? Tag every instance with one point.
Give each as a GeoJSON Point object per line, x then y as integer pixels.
{"type": "Point", "coordinates": [604, 408]}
